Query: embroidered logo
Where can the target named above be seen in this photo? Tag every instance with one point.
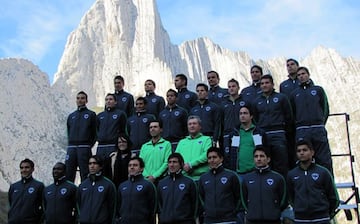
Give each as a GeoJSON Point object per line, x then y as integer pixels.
{"type": "Point", "coordinates": [315, 176]}
{"type": "Point", "coordinates": [207, 182]}
{"type": "Point", "coordinates": [181, 186]}
{"type": "Point", "coordinates": [139, 187]}
{"type": "Point", "coordinates": [63, 191]}
{"type": "Point", "coordinates": [275, 100]}
{"type": "Point", "coordinates": [164, 187]}
{"type": "Point", "coordinates": [270, 181]}
{"type": "Point", "coordinates": [161, 147]}
{"type": "Point", "coordinates": [31, 190]}
{"type": "Point", "coordinates": [207, 108]}
{"type": "Point", "coordinates": [242, 103]}
{"type": "Point", "coordinates": [100, 188]}
{"type": "Point", "coordinates": [220, 95]}
{"type": "Point", "coordinates": [187, 96]}
{"type": "Point", "coordinates": [313, 92]}
{"type": "Point", "coordinates": [223, 180]}
{"type": "Point", "coordinates": [115, 116]}
{"type": "Point", "coordinates": [153, 100]}
{"type": "Point", "coordinates": [144, 120]}
{"type": "Point", "coordinates": [86, 116]}
{"type": "Point", "coordinates": [176, 113]}
{"type": "Point", "coordinates": [123, 99]}
{"type": "Point", "coordinates": [251, 181]}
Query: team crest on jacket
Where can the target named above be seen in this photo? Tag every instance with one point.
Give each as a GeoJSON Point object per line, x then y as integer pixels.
{"type": "Point", "coordinates": [181, 186]}
{"type": "Point", "coordinates": [100, 188]}
{"type": "Point", "coordinates": [270, 181]}
{"type": "Point", "coordinates": [63, 191]}
{"type": "Point", "coordinates": [86, 116]}
{"type": "Point", "coordinates": [145, 120]}
{"type": "Point", "coordinates": [123, 99]}
{"type": "Point", "coordinates": [223, 180]}
{"type": "Point", "coordinates": [139, 187]}
{"type": "Point", "coordinates": [31, 190]}
{"type": "Point", "coordinates": [176, 113]}
{"type": "Point", "coordinates": [161, 147]}
{"type": "Point", "coordinates": [153, 100]}
{"type": "Point", "coordinates": [200, 142]}
{"type": "Point", "coordinates": [220, 95]}
{"type": "Point", "coordinates": [275, 100]}
{"type": "Point", "coordinates": [242, 103]}
{"type": "Point", "coordinates": [315, 176]}
{"type": "Point", "coordinates": [187, 96]}
{"type": "Point", "coordinates": [313, 92]}
{"type": "Point", "coordinates": [207, 108]}
{"type": "Point", "coordinates": [115, 116]}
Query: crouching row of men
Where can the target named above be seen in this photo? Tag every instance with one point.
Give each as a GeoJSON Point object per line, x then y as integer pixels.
{"type": "Point", "coordinates": [263, 193]}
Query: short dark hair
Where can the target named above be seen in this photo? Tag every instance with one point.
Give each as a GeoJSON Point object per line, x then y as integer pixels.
{"type": "Point", "coordinates": [182, 77]}
{"type": "Point", "coordinates": [217, 150]}
{"type": "Point", "coordinates": [119, 77]}
{"type": "Point", "coordinates": [248, 107]}
{"type": "Point", "coordinates": [172, 91]}
{"type": "Point", "coordinates": [217, 74]}
{"type": "Point", "coordinates": [111, 94]}
{"type": "Point", "coordinates": [291, 59]}
{"type": "Point", "coordinates": [157, 121]}
{"type": "Point", "coordinates": [203, 85]}
{"type": "Point", "coordinates": [152, 81]}
{"type": "Point", "coordinates": [302, 141]}
{"type": "Point", "coordinates": [262, 148]}
{"type": "Point", "coordinates": [179, 157]}
{"type": "Point", "coordinates": [268, 76]}
{"type": "Point", "coordinates": [98, 160]}
{"type": "Point", "coordinates": [141, 161]}
{"type": "Point", "coordinates": [141, 98]}
{"type": "Point", "coordinates": [258, 67]}
{"type": "Point", "coordinates": [235, 81]}
{"type": "Point", "coordinates": [83, 93]}
{"type": "Point", "coordinates": [61, 164]}
{"type": "Point", "coordinates": [303, 68]}
{"type": "Point", "coordinates": [27, 160]}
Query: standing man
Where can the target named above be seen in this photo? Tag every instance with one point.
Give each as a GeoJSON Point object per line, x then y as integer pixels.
{"type": "Point", "coordinates": [311, 188]}
{"type": "Point", "coordinates": [251, 92]}
{"type": "Point", "coordinates": [174, 119]}
{"type": "Point", "coordinates": [110, 124]}
{"type": "Point", "coordinates": [193, 148]}
{"type": "Point", "coordinates": [177, 194]}
{"type": "Point", "coordinates": [186, 99]}
{"type": "Point", "coordinates": [219, 190]}
{"type": "Point", "coordinates": [96, 195]}
{"type": "Point", "coordinates": [125, 100]}
{"type": "Point", "coordinates": [287, 86]}
{"type": "Point", "coordinates": [155, 153]}
{"type": "Point", "coordinates": [311, 111]}
{"type": "Point", "coordinates": [155, 103]}
{"type": "Point", "coordinates": [138, 125]}
{"type": "Point", "coordinates": [60, 198]}
{"type": "Point", "coordinates": [216, 93]}
{"type": "Point", "coordinates": [81, 130]}
{"type": "Point", "coordinates": [136, 196]}
{"type": "Point", "coordinates": [209, 113]}
{"type": "Point", "coordinates": [263, 191]}
{"type": "Point", "coordinates": [25, 197]}
{"type": "Point", "coordinates": [273, 114]}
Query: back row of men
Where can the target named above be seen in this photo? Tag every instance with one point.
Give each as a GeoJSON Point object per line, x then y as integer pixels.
{"type": "Point", "coordinates": [274, 119]}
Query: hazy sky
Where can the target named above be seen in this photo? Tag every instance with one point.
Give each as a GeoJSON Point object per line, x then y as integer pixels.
{"type": "Point", "coordinates": [37, 30]}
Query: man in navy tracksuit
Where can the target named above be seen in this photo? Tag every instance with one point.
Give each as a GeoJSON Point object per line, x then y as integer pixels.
{"type": "Point", "coordinates": [209, 113]}
{"type": "Point", "coordinates": [25, 197]}
{"type": "Point", "coordinates": [96, 196]}
{"type": "Point", "coordinates": [263, 191]}
{"type": "Point", "coordinates": [81, 129]}
{"type": "Point", "coordinates": [155, 104]}
{"type": "Point", "coordinates": [273, 114]}
{"type": "Point", "coordinates": [216, 93]}
{"type": "Point", "coordinates": [311, 188]}
{"type": "Point", "coordinates": [186, 98]}
{"type": "Point", "coordinates": [136, 197]}
{"type": "Point", "coordinates": [60, 198]}
{"type": "Point", "coordinates": [138, 125]}
{"type": "Point", "coordinates": [251, 92]}
{"type": "Point", "coordinates": [219, 190]}
{"type": "Point", "coordinates": [110, 124]}
{"type": "Point", "coordinates": [125, 101]}
{"type": "Point", "coordinates": [174, 120]}
{"type": "Point", "coordinates": [311, 111]}
{"type": "Point", "coordinates": [177, 194]}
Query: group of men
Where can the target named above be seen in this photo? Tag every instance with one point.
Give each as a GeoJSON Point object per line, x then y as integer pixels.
{"type": "Point", "coordinates": [215, 141]}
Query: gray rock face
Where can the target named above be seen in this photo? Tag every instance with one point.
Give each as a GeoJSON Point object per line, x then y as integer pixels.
{"type": "Point", "coordinates": [126, 37]}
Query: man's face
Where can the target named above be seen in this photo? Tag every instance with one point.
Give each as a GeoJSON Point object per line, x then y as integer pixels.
{"type": "Point", "coordinates": [134, 167]}
{"type": "Point", "coordinates": [303, 76]}
{"type": "Point", "coordinates": [118, 85]}
{"type": "Point", "coordinates": [193, 126]}
{"type": "Point", "coordinates": [179, 83]}
{"type": "Point", "coordinates": [201, 92]}
{"type": "Point", "coordinates": [260, 159]}
{"type": "Point", "coordinates": [266, 86]}
{"type": "Point", "coordinates": [171, 98]}
{"type": "Point", "coordinates": [26, 170]}
{"type": "Point", "coordinates": [149, 87]}
{"type": "Point", "coordinates": [304, 153]}
{"type": "Point", "coordinates": [244, 116]}
{"type": "Point", "coordinates": [139, 105]}
{"type": "Point", "coordinates": [58, 171]}
{"type": "Point", "coordinates": [212, 78]}
{"type": "Point", "coordinates": [122, 144]}
{"type": "Point", "coordinates": [110, 102]}
{"type": "Point", "coordinates": [214, 160]}
{"type": "Point", "coordinates": [94, 167]}
{"type": "Point", "coordinates": [291, 67]}
{"type": "Point", "coordinates": [255, 74]}
{"type": "Point", "coordinates": [81, 100]}
{"type": "Point", "coordinates": [233, 88]}
{"type": "Point", "coordinates": [154, 129]}
{"type": "Point", "coordinates": [174, 165]}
